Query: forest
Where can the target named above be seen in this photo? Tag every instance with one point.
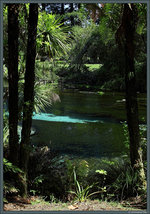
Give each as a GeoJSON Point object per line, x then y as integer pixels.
{"type": "Point", "coordinates": [74, 118]}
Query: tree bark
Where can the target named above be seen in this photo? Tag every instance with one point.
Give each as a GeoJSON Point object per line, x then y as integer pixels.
{"type": "Point", "coordinates": [125, 37]}
{"type": "Point", "coordinates": [28, 93]}
{"type": "Point", "coordinates": [62, 12]}
{"type": "Point", "coordinates": [79, 6]}
{"type": "Point", "coordinates": [43, 6]}
{"type": "Point", "coordinates": [71, 17]}
{"type": "Point", "coordinates": [13, 34]}
{"type": "Point", "coordinates": [62, 9]}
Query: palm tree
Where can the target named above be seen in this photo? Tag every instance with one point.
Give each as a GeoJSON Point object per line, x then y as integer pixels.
{"type": "Point", "coordinates": [53, 35]}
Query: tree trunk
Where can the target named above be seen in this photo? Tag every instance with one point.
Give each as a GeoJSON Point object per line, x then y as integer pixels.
{"type": "Point", "coordinates": [28, 93]}
{"type": "Point", "coordinates": [13, 33]}
{"type": "Point", "coordinates": [71, 17]}
{"type": "Point", "coordinates": [62, 12]}
{"type": "Point", "coordinates": [125, 36]}
{"type": "Point", "coordinates": [62, 9]}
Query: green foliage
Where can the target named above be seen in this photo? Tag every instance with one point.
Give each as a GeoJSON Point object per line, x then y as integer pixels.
{"type": "Point", "coordinates": [9, 188]}
{"type": "Point", "coordinates": [101, 93]}
{"type": "Point", "coordinates": [35, 188]}
{"type": "Point", "coordinates": [106, 32]}
{"type": "Point", "coordinates": [126, 134]}
{"type": "Point", "coordinates": [82, 170]}
{"type": "Point", "coordinates": [5, 79]}
{"type": "Point", "coordinates": [82, 37]}
{"type": "Point", "coordinates": [141, 26]}
{"type": "Point", "coordinates": [10, 170]}
{"type": "Point", "coordinates": [81, 194]}
{"type": "Point", "coordinates": [143, 139]}
{"type": "Point", "coordinates": [52, 35]}
{"type": "Point", "coordinates": [109, 22]}
{"type": "Point", "coordinates": [102, 49]}
{"type": "Point", "coordinates": [35, 183]}
{"type": "Point", "coordinates": [9, 167]}
{"type": "Point", "coordinates": [126, 184]}
{"type": "Point", "coordinates": [40, 200]}
{"type": "Point", "coordinates": [44, 88]}
{"type": "Point", "coordinates": [80, 16]}
{"type": "Point", "coordinates": [101, 171]}
{"type": "Point", "coordinates": [38, 180]}
{"type": "Point", "coordinates": [5, 38]}
{"type": "Point", "coordinates": [143, 135]}
{"type": "Point", "coordinates": [5, 135]}
{"type": "Point", "coordinates": [5, 129]}
{"type": "Point", "coordinates": [99, 70]}
{"type": "Point", "coordinates": [43, 97]}
{"type": "Point", "coordinates": [53, 199]}
{"type": "Point", "coordinates": [23, 32]}
{"type": "Point", "coordinates": [46, 82]}
{"type": "Point", "coordinates": [93, 67]}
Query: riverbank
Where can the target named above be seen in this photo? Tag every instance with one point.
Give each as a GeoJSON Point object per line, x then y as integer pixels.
{"type": "Point", "coordinates": [58, 170]}
{"type": "Point", "coordinates": [39, 204]}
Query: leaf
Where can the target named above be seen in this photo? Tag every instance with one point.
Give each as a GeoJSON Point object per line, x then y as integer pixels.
{"type": "Point", "coordinates": [103, 172]}
{"type": "Point", "coordinates": [78, 185]}
{"type": "Point", "coordinates": [73, 207]}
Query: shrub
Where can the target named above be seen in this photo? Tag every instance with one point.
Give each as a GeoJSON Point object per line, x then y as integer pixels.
{"type": "Point", "coordinates": [81, 193]}
{"type": "Point", "coordinates": [10, 176]}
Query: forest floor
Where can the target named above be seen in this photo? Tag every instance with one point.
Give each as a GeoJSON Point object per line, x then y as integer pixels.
{"type": "Point", "coordinates": [39, 204]}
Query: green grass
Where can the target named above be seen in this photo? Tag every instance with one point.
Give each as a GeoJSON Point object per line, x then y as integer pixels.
{"type": "Point", "coordinates": [92, 67]}
{"type": "Point", "coordinates": [40, 200]}
{"type": "Point", "coordinates": [60, 63]}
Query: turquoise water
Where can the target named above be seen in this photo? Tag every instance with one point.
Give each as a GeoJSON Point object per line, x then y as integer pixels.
{"type": "Point", "coordinates": [85, 125]}
{"type": "Point", "coordinates": [67, 119]}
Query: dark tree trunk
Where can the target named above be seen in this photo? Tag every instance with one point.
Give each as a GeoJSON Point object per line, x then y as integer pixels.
{"type": "Point", "coordinates": [28, 93]}
{"type": "Point", "coordinates": [43, 6]}
{"type": "Point", "coordinates": [13, 33]}
{"type": "Point", "coordinates": [130, 81]}
{"type": "Point", "coordinates": [62, 9]}
{"type": "Point", "coordinates": [125, 36]}
{"type": "Point", "coordinates": [71, 18]}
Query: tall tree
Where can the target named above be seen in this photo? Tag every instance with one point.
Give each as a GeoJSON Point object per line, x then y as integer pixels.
{"type": "Point", "coordinates": [13, 33]}
{"type": "Point", "coordinates": [71, 17]}
{"type": "Point", "coordinates": [62, 9]}
{"type": "Point", "coordinates": [62, 12]}
{"type": "Point", "coordinates": [125, 37]}
{"type": "Point", "coordinates": [43, 6]}
{"type": "Point", "coordinates": [28, 93]}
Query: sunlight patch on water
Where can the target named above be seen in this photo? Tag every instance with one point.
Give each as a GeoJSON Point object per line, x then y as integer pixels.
{"type": "Point", "coordinates": [67, 119]}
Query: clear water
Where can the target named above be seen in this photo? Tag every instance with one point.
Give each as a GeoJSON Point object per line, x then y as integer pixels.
{"type": "Point", "coordinates": [67, 119]}
{"type": "Point", "coordinates": [85, 125]}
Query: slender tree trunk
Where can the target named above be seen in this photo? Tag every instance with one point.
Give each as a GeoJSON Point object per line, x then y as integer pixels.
{"type": "Point", "coordinates": [28, 93]}
{"type": "Point", "coordinates": [13, 33]}
{"type": "Point", "coordinates": [43, 6]}
{"type": "Point", "coordinates": [126, 36]}
{"type": "Point", "coordinates": [62, 9]}
{"type": "Point", "coordinates": [71, 18]}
